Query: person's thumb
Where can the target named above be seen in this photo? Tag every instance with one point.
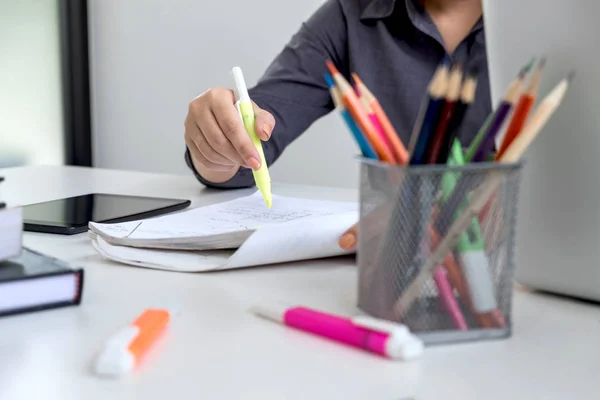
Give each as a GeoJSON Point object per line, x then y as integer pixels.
{"type": "Point", "coordinates": [348, 239]}
{"type": "Point", "coordinates": [264, 122]}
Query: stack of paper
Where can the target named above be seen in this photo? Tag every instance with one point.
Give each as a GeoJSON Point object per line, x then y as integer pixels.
{"type": "Point", "coordinates": [235, 234]}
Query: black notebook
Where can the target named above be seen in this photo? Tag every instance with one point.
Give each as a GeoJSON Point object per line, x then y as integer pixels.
{"type": "Point", "coordinates": [33, 281]}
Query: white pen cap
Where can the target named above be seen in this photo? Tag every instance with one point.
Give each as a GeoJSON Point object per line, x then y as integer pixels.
{"type": "Point", "coordinates": [241, 90]}
{"type": "Point", "coordinates": [116, 359]}
{"type": "Point", "coordinates": [406, 349]}
{"type": "Point", "coordinates": [401, 344]}
{"type": "Point", "coordinates": [274, 312]}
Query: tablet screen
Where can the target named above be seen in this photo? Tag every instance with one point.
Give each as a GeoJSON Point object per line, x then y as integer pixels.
{"type": "Point", "coordinates": [78, 211]}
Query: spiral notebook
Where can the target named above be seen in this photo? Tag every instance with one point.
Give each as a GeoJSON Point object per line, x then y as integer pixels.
{"type": "Point", "coordinates": [234, 234]}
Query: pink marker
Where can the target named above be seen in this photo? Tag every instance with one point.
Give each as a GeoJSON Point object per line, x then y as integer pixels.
{"type": "Point", "coordinates": [385, 338]}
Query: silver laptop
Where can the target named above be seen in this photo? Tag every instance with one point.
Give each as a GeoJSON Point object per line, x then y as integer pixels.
{"type": "Point", "coordinates": [558, 233]}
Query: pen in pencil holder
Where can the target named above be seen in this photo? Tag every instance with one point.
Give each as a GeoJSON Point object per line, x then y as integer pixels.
{"type": "Point", "coordinates": [468, 295]}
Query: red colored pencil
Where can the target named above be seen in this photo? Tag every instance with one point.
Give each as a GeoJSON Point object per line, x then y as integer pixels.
{"type": "Point", "coordinates": [522, 110]}
{"type": "Point", "coordinates": [454, 86]}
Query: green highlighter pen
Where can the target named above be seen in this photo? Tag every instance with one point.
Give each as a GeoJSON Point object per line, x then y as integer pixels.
{"type": "Point", "coordinates": [471, 246]}
{"type": "Point", "coordinates": [244, 106]}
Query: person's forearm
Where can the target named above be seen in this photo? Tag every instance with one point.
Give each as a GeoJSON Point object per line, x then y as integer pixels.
{"type": "Point", "coordinates": [214, 176]}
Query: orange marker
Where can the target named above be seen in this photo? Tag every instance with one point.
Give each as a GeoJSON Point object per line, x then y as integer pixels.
{"type": "Point", "coordinates": [360, 116]}
{"type": "Point", "coordinates": [396, 145]}
{"type": "Point", "coordinates": [126, 348]}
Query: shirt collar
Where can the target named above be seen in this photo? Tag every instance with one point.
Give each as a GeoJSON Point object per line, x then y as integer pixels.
{"type": "Point", "coordinates": [379, 9]}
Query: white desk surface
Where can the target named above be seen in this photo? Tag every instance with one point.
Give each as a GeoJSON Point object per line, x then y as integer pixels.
{"type": "Point", "coordinates": [217, 350]}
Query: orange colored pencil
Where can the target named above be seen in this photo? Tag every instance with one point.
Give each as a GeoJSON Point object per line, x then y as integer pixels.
{"type": "Point", "coordinates": [522, 110]}
{"type": "Point", "coordinates": [396, 145]}
{"type": "Point", "coordinates": [358, 113]}
{"type": "Point", "coordinates": [360, 116]}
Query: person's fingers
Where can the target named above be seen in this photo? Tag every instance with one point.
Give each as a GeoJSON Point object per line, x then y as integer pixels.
{"type": "Point", "coordinates": [348, 239]}
{"type": "Point", "coordinates": [264, 122]}
{"type": "Point", "coordinates": [199, 158]}
{"type": "Point", "coordinates": [225, 152]}
{"type": "Point", "coordinates": [199, 149]}
{"type": "Point", "coordinates": [209, 153]}
{"type": "Point", "coordinates": [232, 127]}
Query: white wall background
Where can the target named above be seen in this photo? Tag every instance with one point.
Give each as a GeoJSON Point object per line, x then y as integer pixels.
{"type": "Point", "coordinates": [149, 58]}
{"type": "Point", "coordinates": [31, 119]}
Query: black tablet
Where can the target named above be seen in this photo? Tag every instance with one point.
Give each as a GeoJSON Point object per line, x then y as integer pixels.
{"type": "Point", "coordinates": [71, 215]}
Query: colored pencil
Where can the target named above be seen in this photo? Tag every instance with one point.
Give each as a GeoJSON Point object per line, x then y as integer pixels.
{"type": "Point", "coordinates": [522, 109]}
{"type": "Point", "coordinates": [455, 277]}
{"type": "Point", "coordinates": [448, 299]}
{"type": "Point", "coordinates": [500, 115]}
{"type": "Point", "coordinates": [369, 110]}
{"type": "Point", "coordinates": [467, 96]}
{"type": "Point", "coordinates": [448, 274]}
{"type": "Point", "coordinates": [538, 120]}
{"type": "Point", "coordinates": [476, 142]}
{"type": "Point", "coordinates": [428, 114]}
{"type": "Point", "coordinates": [426, 188]}
{"type": "Point", "coordinates": [452, 95]}
{"type": "Point", "coordinates": [366, 149]}
{"type": "Point", "coordinates": [518, 120]}
{"type": "Point", "coordinates": [515, 151]}
{"type": "Point", "coordinates": [451, 266]}
{"type": "Point", "coordinates": [360, 116]}
{"type": "Point", "coordinates": [394, 141]}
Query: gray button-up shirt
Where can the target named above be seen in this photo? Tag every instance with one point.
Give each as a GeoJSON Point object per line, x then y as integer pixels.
{"type": "Point", "coordinates": [393, 45]}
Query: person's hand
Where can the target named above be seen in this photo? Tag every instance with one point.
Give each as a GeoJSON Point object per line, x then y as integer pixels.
{"type": "Point", "coordinates": [216, 138]}
{"type": "Point", "coordinates": [349, 238]}
{"type": "Point", "coordinates": [373, 224]}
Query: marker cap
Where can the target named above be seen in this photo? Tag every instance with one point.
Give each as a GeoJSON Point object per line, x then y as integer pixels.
{"type": "Point", "coordinates": [274, 312]}
{"type": "Point", "coordinates": [477, 272]}
{"type": "Point", "coordinates": [407, 349]}
{"type": "Point", "coordinates": [241, 90]}
{"type": "Point", "coordinates": [399, 331]}
{"type": "Point", "coordinates": [401, 344]}
{"type": "Point", "coordinates": [116, 359]}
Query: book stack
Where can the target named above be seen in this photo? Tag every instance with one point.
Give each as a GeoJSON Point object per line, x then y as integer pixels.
{"type": "Point", "coordinates": [31, 281]}
{"type": "Point", "coordinates": [11, 230]}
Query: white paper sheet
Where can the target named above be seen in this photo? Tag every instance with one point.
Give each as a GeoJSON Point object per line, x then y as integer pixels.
{"type": "Point", "coordinates": [302, 239]}
{"type": "Point", "coordinates": [170, 260]}
{"type": "Point", "coordinates": [241, 215]}
{"type": "Point", "coordinates": [298, 240]}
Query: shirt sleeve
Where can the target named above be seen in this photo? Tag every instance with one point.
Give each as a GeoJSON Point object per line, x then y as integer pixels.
{"type": "Point", "coordinates": [293, 88]}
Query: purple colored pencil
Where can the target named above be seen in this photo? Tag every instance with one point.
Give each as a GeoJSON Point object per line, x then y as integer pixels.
{"type": "Point", "coordinates": [511, 97]}
{"type": "Point", "coordinates": [487, 145]}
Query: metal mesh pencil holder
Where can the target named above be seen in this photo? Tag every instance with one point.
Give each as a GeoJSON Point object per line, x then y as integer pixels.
{"type": "Point", "coordinates": [405, 212]}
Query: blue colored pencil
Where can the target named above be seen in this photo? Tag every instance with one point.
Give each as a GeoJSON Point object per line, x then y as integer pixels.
{"type": "Point", "coordinates": [363, 144]}
{"type": "Point", "coordinates": [428, 116]}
